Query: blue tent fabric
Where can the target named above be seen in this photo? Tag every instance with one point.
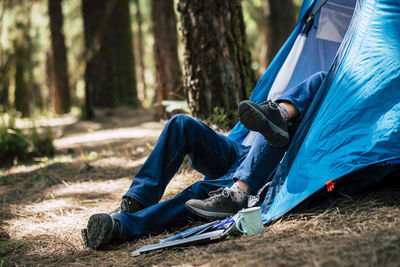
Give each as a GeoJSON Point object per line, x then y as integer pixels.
{"type": "Point", "coordinates": [306, 67]}
{"type": "Point", "coordinates": [352, 129]}
{"type": "Point", "coordinates": [351, 132]}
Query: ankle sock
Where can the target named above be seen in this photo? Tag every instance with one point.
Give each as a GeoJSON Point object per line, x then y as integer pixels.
{"type": "Point", "coordinates": [239, 194]}
{"type": "Point", "coordinates": [284, 112]}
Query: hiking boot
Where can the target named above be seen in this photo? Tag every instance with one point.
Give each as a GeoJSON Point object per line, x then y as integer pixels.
{"type": "Point", "coordinates": [102, 229]}
{"type": "Point", "coordinates": [128, 205]}
{"type": "Point", "coordinates": [266, 119]}
{"type": "Point", "coordinates": [220, 204]}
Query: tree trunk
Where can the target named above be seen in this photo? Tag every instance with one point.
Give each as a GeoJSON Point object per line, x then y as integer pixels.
{"type": "Point", "coordinates": [282, 21]}
{"type": "Point", "coordinates": [121, 38]}
{"type": "Point", "coordinates": [23, 91]}
{"type": "Point", "coordinates": [265, 33]}
{"type": "Point", "coordinates": [110, 74]}
{"type": "Point", "coordinates": [142, 68]}
{"type": "Point", "coordinates": [59, 85]}
{"type": "Point", "coordinates": [168, 69]}
{"type": "Point", "coordinates": [23, 94]}
{"type": "Point", "coordinates": [216, 59]}
{"type": "Point", "coordinates": [4, 95]}
{"type": "Point", "coordinates": [4, 81]}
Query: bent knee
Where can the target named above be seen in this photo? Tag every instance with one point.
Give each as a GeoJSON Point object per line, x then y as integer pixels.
{"type": "Point", "coordinates": [181, 120]}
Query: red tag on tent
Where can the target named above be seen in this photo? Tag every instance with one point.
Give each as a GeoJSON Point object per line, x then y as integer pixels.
{"type": "Point", "coordinates": [330, 185]}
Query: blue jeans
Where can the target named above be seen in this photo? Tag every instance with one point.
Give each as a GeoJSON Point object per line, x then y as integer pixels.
{"type": "Point", "coordinates": [212, 154]}
{"type": "Point", "coordinates": [220, 159]}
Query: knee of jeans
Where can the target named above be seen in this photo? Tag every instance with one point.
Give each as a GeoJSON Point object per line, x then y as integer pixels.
{"type": "Point", "coordinates": [182, 123]}
{"type": "Point", "coordinates": [179, 120]}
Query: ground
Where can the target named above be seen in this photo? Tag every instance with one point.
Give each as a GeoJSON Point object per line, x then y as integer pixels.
{"type": "Point", "coordinates": [45, 203]}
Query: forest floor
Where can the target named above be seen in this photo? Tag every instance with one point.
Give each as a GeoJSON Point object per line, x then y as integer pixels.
{"type": "Point", "coordinates": [45, 204]}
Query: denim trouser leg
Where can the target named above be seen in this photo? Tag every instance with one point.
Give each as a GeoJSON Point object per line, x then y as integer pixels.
{"type": "Point", "coordinates": [210, 153]}
{"type": "Point", "coordinates": [259, 163]}
{"type": "Point", "coordinates": [170, 214]}
{"type": "Point", "coordinates": [262, 158]}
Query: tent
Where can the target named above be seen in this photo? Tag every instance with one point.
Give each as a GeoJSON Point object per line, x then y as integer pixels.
{"type": "Point", "coordinates": [350, 136]}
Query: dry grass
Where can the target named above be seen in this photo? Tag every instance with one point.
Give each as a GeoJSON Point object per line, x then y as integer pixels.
{"type": "Point", "coordinates": [44, 205]}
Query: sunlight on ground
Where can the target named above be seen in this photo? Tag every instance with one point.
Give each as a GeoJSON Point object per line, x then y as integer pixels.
{"type": "Point", "coordinates": [63, 120]}
{"type": "Point", "coordinates": [21, 169]}
{"type": "Point", "coordinates": [119, 162]}
{"type": "Point", "coordinates": [50, 220]}
{"type": "Point", "coordinates": [54, 224]}
{"type": "Point", "coordinates": [143, 130]}
{"type": "Point", "coordinates": [87, 182]}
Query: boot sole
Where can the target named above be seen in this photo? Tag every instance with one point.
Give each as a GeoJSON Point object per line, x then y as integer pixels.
{"type": "Point", "coordinates": [210, 215]}
{"type": "Point", "coordinates": [254, 120]}
{"type": "Point", "coordinates": [99, 230]}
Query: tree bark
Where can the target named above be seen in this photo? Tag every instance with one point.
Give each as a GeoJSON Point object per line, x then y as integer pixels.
{"type": "Point", "coordinates": [142, 68]}
{"type": "Point", "coordinates": [110, 74]}
{"type": "Point", "coordinates": [4, 81]}
{"type": "Point", "coordinates": [4, 95]}
{"type": "Point", "coordinates": [282, 21]}
{"type": "Point", "coordinates": [121, 38]}
{"type": "Point", "coordinates": [168, 69]}
{"type": "Point", "coordinates": [216, 59]}
{"type": "Point", "coordinates": [59, 85]}
{"type": "Point", "coordinates": [95, 19]}
{"type": "Point", "coordinates": [5, 64]}
{"type": "Point", "coordinates": [23, 94]}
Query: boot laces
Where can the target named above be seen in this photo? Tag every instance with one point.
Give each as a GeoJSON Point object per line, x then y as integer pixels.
{"type": "Point", "coordinates": [272, 105]}
{"type": "Point", "coordinates": [269, 104]}
{"type": "Point", "coordinates": [116, 211]}
{"type": "Point", "coordinates": [217, 194]}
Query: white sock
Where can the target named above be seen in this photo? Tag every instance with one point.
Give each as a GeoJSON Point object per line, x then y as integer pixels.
{"type": "Point", "coordinates": [239, 194]}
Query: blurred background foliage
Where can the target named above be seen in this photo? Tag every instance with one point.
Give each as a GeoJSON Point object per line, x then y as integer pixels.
{"type": "Point", "coordinates": [28, 72]}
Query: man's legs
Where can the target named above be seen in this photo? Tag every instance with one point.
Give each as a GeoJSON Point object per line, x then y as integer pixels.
{"type": "Point", "coordinates": [211, 153]}
{"type": "Point", "coordinates": [261, 160]}
{"type": "Point", "coordinates": [251, 175]}
{"type": "Point", "coordinates": [271, 119]}
{"type": "Point", "coordinates": [170, 214]}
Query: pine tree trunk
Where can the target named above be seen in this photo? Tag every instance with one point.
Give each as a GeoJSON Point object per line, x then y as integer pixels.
{"type": "Point", "coordinates": [4, 95]}
{"type": "Point", "coordinates": [282, 21]}
{"type": "Point", "coordinates": [265, 33]}
{"type": "Point", "coordinates": [97, 76]}
{"type": "Point", "coordinates": [4, 82]}
{"type": "Point", "coordinates": [59, 85]}
{"type": "Point", "coordinates": [168, 69]}
{"type": "Point", "coordinates": [23, 94]}
{"type": "Point", "coordinates": [141, 49]}
{"type": "Point", "coordinates": [110, 74]}
{"type": "Point", "coordinates": [121, 38]}
{"type": "Point", "coordinates": [216, 59]}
